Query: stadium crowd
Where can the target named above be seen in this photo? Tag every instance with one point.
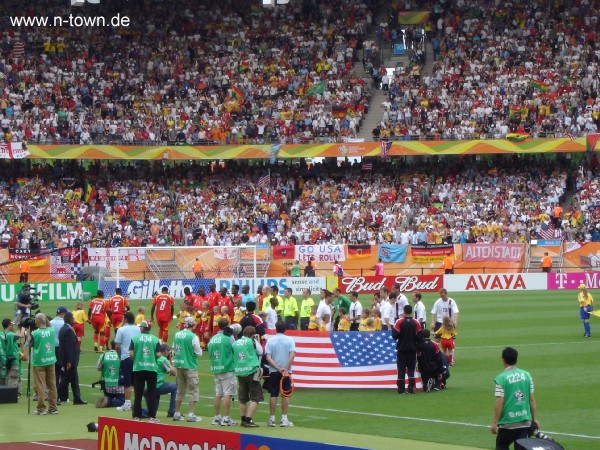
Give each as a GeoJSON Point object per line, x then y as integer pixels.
{"type": "Point", "coordinates": [525, 68]}
{"type": "Point", "coordinates": [187, 203]}
{"type": "Point", "coordinates": [204, 74]}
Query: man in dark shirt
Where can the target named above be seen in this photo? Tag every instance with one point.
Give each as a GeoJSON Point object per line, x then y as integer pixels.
{"type": "Point", "coordinates": [406, 332]}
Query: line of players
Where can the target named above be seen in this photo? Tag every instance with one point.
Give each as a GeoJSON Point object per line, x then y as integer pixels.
{"type": "Point", "coordinates": [206, 308]}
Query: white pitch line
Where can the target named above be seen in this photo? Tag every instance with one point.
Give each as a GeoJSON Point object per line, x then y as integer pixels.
{"type": "Point", "coordinates": [526, 345]}
{"type": "Point", "coordinates": [57, 446]}
{"type": "Point", "coordinates": [418, 419]}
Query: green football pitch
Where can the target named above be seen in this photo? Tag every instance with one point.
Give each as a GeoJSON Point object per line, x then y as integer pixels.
{"type": "Point", "coordinates": [543, 326]}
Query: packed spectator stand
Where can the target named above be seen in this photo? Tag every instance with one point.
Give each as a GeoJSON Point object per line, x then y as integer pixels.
{"type": "Point", "coordinates": [207, 73]}
{"type": "Point", "coordinates": [236, 74]}
{"type": "Point", "coordinates": [520, 68]}
{"type": "Point", "coordinates": [153, 203]}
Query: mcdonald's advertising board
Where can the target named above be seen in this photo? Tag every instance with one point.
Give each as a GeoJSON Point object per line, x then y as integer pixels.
{"type": "Point", "coordinates": [123, 434]}
{"type": "Point", "coordinates": [120, 434]}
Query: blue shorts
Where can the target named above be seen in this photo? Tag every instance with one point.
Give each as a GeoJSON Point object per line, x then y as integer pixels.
{"type": "Point", "coordinates": [274, 383]}
{"type": "Point", "coordinates": [584, 312]}
{"type": "Point", "coordinates": [126, 373]}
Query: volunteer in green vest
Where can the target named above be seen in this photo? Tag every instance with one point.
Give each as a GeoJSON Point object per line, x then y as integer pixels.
{"type": "Point", "coordinates": [144, 351]}
{"type": "Point", "coordinates": [43, 359]}
{"type": "Point", "coordinates": [290, 310]}
{"type": "Point", "coordinates": [515, 408]}
{"type": "Point", "coordinates": [246, 366]}
{"type": "Point", "coordinates": [186, 350]}
{"type": "Point", "coordinates": [340, 301]}
{"type": "Point", "coordinates": [163, 387]}
{"type": "Point", "coordinates": [109, 364]}
{"type": "Point", "coordinates": [13, 354]}
{"type": "Point", "coordinates": [221, 366]}
{"type": "Point", "coordinates": [305, 307]}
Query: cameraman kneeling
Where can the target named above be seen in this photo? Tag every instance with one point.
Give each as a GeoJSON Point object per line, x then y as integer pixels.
{"type": "Point", "coordinates": [109, 364]}
{"type": "Point", "coordinates": [165, 367]}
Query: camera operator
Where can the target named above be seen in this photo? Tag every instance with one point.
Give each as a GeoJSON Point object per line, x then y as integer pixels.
{"type": "Point", "coordinates": [42, 362]}
{"type": "Point", "coordinates": [14, 353]}
{"type": "Point", "coordinates": [109, 364]}
{"type": "Point", "coordinates": [24, 303]}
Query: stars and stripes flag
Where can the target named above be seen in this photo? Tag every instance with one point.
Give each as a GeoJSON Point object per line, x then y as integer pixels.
{"type": "Point", "coordinates": [345, 359]}
{"type": "Point", "coordinates": [569, 135]}
{"type": "Point", "coordinates": [548, 232]}
{"type": "Point", "coordinates": [264, 181]}
{"type": "Point", "coordinates": [385, 149]}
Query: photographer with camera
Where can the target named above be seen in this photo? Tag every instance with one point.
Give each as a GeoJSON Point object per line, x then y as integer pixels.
{"type": "Point", "coordinates": [247, 369]}
{"type": "Point", "coordinates": [13, 353]}
{"type": "Point", "coordinates": [43, 359]}
{"type": "Point", "coordinates": [109, 364]}
{"type": "Point", "coordinates": [221, 366]}
{"type": "Point", "coordinates": [165, 367]}
{"type": "Point", "coordinates": [186, 349]}
{"type": "Point", "coordinates": [24, 304]}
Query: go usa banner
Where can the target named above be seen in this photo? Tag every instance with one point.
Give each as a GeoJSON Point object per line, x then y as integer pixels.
{"type": "Point", "coordinates": [320, 252]}
{"type": "Point", "coordinates": [393, 252]}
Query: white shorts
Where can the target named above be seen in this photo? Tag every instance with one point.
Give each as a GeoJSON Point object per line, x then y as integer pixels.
{"type": "Point", "coordinates": [225, 384]}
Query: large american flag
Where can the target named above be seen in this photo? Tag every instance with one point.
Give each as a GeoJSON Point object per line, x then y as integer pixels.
{"type": "Point", "coordinates": [345, 359]}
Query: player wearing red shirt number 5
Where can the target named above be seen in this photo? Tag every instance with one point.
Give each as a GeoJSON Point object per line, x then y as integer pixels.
{"type": "Point", "coordinates": [117, 307]}
{"type": "Point", "coordinates": [164, 306]}
{"type": "Point", "coordinates": [97, 314]}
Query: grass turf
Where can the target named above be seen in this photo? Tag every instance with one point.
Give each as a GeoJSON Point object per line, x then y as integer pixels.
{"type": "Point", "coordinates": [544, 327]}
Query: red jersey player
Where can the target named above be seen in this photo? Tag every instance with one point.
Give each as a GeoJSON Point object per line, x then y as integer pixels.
{"type": "Point", "coordinates": [213, 296]}
{"type": "Point", "coordinates": [164, 305]}
{"type": "Point", "coordinates": [97, 314]}
{"type": "Point", "coordinates": [117, 306]}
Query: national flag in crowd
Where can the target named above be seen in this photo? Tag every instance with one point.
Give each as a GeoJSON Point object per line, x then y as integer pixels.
{"type": "Point", "coordinates": [244, 66]}
{"type": "Point", "coordinates": [539, 85]}
{"type": "Point", "coordinates": [516, 137]}
{"type": "Point", "coordinates": [367, 166]}
{"type": "Point", "coordinates": [546, 232]}
{"type": "Point", "coordinates": [155, 56]}
{"type": "Point", "coordinates": [13, 150]}
{"type": "Point", "coordinates": [492, 171]}
{"type": "Point", "coordinates": [345, 360]}
{"type": "Point", "coordinates": [237, 92]}
{"type": "Point", "coordinates": [358, 251]}
{"type": "Point", "coordinates": [385, 148]}
{"type": "Point", "coordinates": [22, 181]}
{"type": "Point", "coordinates": [87, 191]}
{"type": "Point", "coordinates": [591, 141]}
{"type": "Point", "coordinates": [317, 88]}
{"type": "Point", "coordinates": [569, 135]}
{"type": "Point", "coordinates": [264, 181]}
